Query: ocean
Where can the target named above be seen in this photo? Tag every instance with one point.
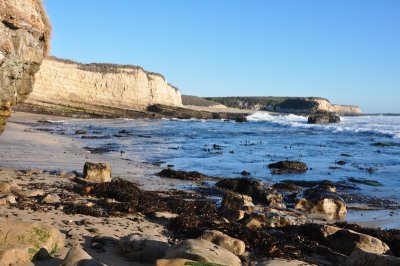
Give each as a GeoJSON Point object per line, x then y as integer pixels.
{"type": "Point", "coordinates": [367, 147]}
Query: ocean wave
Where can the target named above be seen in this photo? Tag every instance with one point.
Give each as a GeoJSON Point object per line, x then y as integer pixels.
{"type": "Point", "coordinates": [378, 125]}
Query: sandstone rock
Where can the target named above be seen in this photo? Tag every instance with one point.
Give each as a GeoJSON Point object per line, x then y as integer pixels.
{"type": "Point", "coordinates": [247, 186]}
{"type": "Point", "coordinates": [31, 193]}
{"type": "Point", "coordinates": [10, 186]}
{"type": "Point", "coordinates": [97, 172]}
{"type": "Point", "coordinates": [3, 201]}
{"type": "Point", "coordinates": [288, 167]}
{"type": "Point", "coordinates": [11, 199]}
{"type": "Point", "coordinates": [234, 206]}
{"type": "Point", "coordinates": [24, 41]}
{"type": "Point", "coordinates": [283, 262]}
{"type": "Point", "coordinates": [345, 241]}
{"type": "Point", "coordinates": [360, 257]}
{"type": "Point", "coordinates": [322, 204]}
{"type": "Point", "coordinates": [323, 118]}
{"type": "Point", "coordinates": [51, 199]}
{"type": "Point", "coordinates": [78, 257]}
{"type": "Point", "coordinates": [13, 256]}
{"type": "Point", "coordinates": [270, 220]}
{"type": "Point", "coordinates": [29, 236]}
{"type": "Point", "coordinates": [202, 251]}
{"type": "Point", "coordinates": [142, 248]}
{"type": "Point", "coordinates": [165, 216]}
{"type": "Point", "coordinates": [231, 244]}
{"type": "Point", "coordinates": [175, 262]}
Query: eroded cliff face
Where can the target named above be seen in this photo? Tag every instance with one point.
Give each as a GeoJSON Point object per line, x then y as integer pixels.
{"type": "Point", "coordinates": [24, 41]}
{"type": "Point", "coordinates": [68, 83]}
{"type": "Point", "coordinates": [326, 106]}
{"type": "Point", "coordinates": [295, 105]}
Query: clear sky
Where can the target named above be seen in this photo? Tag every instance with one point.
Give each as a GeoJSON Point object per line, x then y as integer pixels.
{"type": "Point", "coordinates": [344, 50]}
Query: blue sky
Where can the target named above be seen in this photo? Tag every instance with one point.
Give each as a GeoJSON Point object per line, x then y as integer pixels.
{"type": "Point", "coordinates": [344, 50]}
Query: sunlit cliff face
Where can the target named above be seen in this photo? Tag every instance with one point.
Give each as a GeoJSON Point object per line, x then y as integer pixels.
{"type": "Point", "coordinates": [24, 41]}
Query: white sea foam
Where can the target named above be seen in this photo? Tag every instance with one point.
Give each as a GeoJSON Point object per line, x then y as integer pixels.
{"type": "Point", "coordinates": [379, 124]}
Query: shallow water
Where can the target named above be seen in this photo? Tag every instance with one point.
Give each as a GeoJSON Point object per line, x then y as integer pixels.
{"type": "Point", "coordinates": [188, 145]}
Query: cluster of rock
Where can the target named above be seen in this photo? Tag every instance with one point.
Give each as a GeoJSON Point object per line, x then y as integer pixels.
{"type": "Point", "coordinates": [246, 203]}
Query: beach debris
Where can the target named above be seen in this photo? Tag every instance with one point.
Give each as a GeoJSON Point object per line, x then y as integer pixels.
{"type": "Point", "coordinates": [183, 175]}
{"type": "Point", "coordinates": [367, 182]}
{"type": "Point", "coordinates": [283, 167]}
{"type": "Point", "coordinates": [323, 118]}
{"type": "Point", "coordinates": [202, 251]}
{"type": "Point", "coordinates": [386, 144]}
{"type": "Point", "coordinates": [143, 248]}
{"type": "Point", "coordinates": [97, 172]}
{"type": "Point", "coordinates": [236, 246]}
{"type": "Point", "coordinates": [80, 132]}
{"type": "Point", "coordinates": [78, 257]}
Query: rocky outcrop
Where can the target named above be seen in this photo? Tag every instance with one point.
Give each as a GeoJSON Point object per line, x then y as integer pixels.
{"type": "Point", "coordinates": [24, 41]}
{"type": "Point", "coordinates": [68, 83]}
{"type": "Point", "coordinates": [296, 105]}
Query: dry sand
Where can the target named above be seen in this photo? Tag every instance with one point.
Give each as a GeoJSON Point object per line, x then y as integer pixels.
{"type": "Point", "coordinates": [22, 149]}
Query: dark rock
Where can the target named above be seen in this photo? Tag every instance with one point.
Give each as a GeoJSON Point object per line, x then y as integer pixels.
{"type": "Point", "coordinates": [363, 181]}
{"type": "Point", "coordinates": [80, 132]}
{"type": "Point", "coordinates": [323, 118]}
{"type": "Point", "coordinates": [285, 187]}
{"type": "Point", "coordinates": [245, 173]}
{"type": "Point", "coordinates": [288, 167]}
{"type": "Point", "coordinates": [247, 186]}
{"type": "Point", "coordinates": [194, 176]}
{"type": "Point", "coordinates": [41, 255]}
{"type": "Point", "coordinates": [241, 119]}
{"type": "Point", "coordinates": [341, 162]}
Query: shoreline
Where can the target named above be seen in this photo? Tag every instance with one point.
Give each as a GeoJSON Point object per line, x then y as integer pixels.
{"type": "Point", "coordinates": [52, 160]}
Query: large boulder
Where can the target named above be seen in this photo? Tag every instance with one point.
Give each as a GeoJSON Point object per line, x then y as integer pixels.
{"type": "Point", "coordinates": [97, 172]}
{"type": "Point", "coordinates": [257, 190]}
{"type": "Point", "coordinates": [25, 239]}
{"type": "Point", "coordinates": [360, 257]}
{"type": "Point", "coordinates": [346, 241]}
{"type": "Point", "coordinates": [24, 42]}
{"type": "Point", "coordinates": [282, 167]}
{"type": "Point", "coordinates": [271, 220]}
{"type": "Point", "coordinates": [322, 203]}
{"type": "Point", "coordinates": [323, 118]}
{"type": "Point", "coordinates": [78, 257]}
{"type": "Point", "coordinates": [234, 206]}
{"type": "Point", "coordinates": [202, 251]}
{"type": "Point", "coordinates": [231, 244]}
{"type": "Point", "coordinates": [142, 248]}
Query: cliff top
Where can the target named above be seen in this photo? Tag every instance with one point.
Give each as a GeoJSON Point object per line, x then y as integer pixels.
{"type": "Point", "coordinates": [17, 14]}
{"type": "Point", "coordinates": [107, 68]}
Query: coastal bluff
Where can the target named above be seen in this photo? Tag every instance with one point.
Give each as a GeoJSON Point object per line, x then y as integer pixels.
{"type": "Point", "coordinates": [294, 105]}
{"type": "Point", "coordinates": [24, 40]}
{"type": "Point", "coordinates": [86, 86]}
